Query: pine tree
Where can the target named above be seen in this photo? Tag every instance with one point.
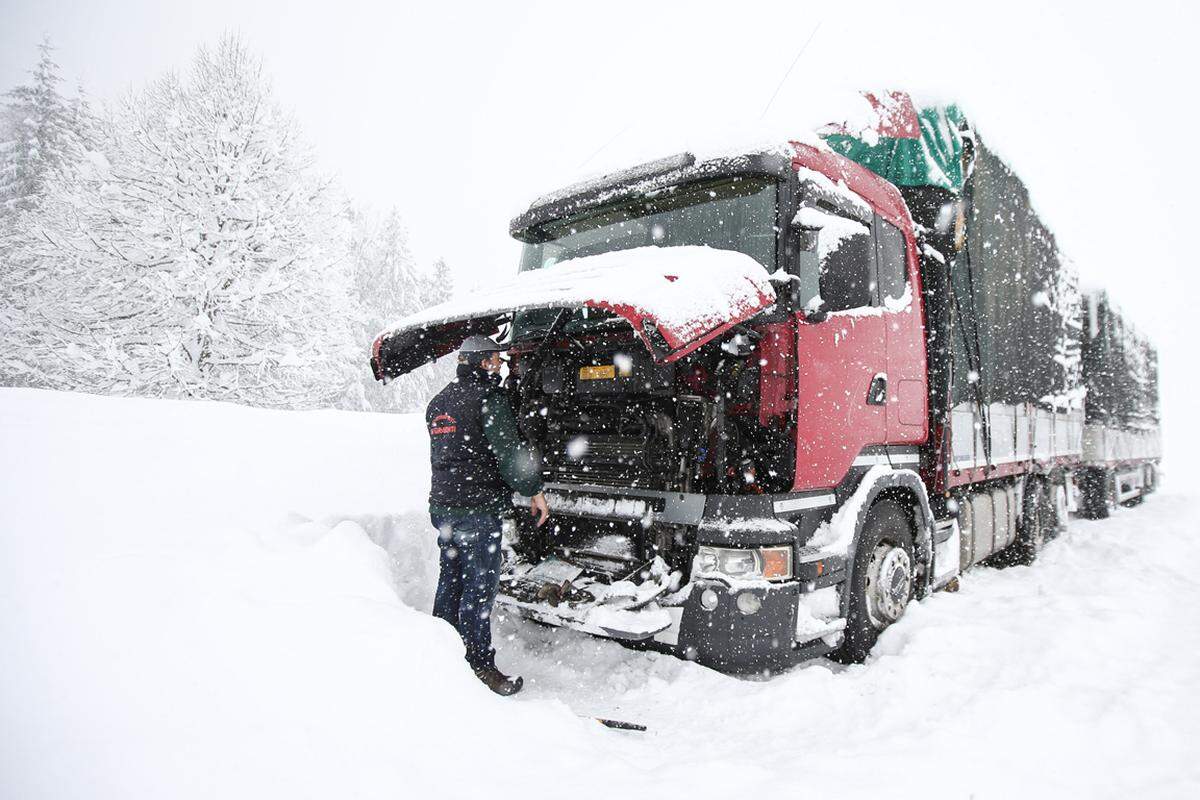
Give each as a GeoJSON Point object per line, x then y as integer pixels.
{"type": "Point", "coordinates": [390, 285]}
{"type": "Point", "coordinates": [440, 285]}
{"type": "Point", "coordinates": [44, 140]}
{"type": "Point", "coordinates": [435, 286]}
{"type": "Point", "coordinates": [42, 137]}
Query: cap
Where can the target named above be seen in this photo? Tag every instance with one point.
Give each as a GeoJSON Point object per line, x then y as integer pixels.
{"type": "Point", "coordinates": [480, 344]}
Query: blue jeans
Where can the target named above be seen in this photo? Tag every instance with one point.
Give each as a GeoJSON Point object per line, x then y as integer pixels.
{"type": "Point", "coordinates": [470, 575]}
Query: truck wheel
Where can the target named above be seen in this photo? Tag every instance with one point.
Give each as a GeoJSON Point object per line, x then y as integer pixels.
{"type": "Point", "coordinates": [1056, 509]}
{"type": "Point", "coordinates": [883, 580]}
{"type": "Point", "coordinates": [1031, 533]}
{"type": "Point", "coordinates": [1093, 491]}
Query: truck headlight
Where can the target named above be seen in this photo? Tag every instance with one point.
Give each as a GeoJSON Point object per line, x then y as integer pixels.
{"type": "Point", "coordinates": [770, 563]}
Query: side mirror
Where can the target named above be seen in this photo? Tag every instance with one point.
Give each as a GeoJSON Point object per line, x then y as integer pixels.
{"type": "Point", "coordinates": [815, 311]}
{"type": "Point", "coordinates": [805, 287]}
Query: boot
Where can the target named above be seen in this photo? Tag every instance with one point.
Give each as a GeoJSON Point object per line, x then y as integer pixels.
{"type": "Point", "coordinates": [497, 681]}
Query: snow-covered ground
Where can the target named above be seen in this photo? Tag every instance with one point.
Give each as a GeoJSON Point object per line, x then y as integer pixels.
{"type": "Point", "coordinates": [203, 600]}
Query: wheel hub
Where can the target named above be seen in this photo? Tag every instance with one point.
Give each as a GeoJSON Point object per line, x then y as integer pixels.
{"type": "Point", "coordinates": [889, 584]}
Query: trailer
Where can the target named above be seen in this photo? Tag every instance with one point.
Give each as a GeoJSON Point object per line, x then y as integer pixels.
{"type": "Point", "coordinates": [778, 394]}
{"type": "Point", "coordinates": [1121, 446]}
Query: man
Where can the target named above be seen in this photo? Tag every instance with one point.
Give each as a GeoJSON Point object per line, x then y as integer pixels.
{"type": "Point", "coordinates": [478, 461]}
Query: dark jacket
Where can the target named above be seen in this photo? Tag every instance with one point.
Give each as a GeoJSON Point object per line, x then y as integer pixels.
{"type": "Point", "coordinates": [475, 450]}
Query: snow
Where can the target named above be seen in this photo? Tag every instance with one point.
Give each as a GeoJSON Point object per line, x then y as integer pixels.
{"type": "Point", "coordinates": [553, 570]}
{"type": "Point", "coordinates": [837, 189]}
{"type": "Point", "coordinates": [168, 288]}
{"type": "Point", "coordinates": [577, 448]}
{"type": "Point", "coordinates": [646, 173]}
{"type": "Point", "coordinates": [834, 229]}
{"type": "Point", "coordinates": [646, 621]}
{"type": "Point", "coordinates": [727, 526]}
{"type": "Point", "coordinates": [818, 614]}
{"type": "Point", "coordinates": [892, 305]}
{"type": "Point", "coordinates": [592, 506]}
{"type": "Point", "coordinates": [203, 600]}
{"type": "Point", "coordinates": [644, 168]}
{"type": "Point", "coordinates": [688, 290]}
{"type": "Point", "coordinates": [131, 275]}
{"type": "Point", "coordinates": [836, 535]}
{"type": "Point", "coordinates": [863, 119]}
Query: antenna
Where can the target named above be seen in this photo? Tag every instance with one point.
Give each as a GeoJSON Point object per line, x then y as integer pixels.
{"type": "Point", "coordinates": [604, 146]}
{"type": "Point", "coordinates": [789, 70]}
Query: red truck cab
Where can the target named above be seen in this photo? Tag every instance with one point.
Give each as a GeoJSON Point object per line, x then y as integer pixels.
{"type": "Point", "coordinates": [695, 443]}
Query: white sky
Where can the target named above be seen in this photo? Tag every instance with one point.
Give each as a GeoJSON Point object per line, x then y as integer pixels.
{"type": "Point", "coordinates": [458, 113]}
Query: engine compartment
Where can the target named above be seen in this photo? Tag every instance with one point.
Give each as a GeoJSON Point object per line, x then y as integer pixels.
{"type": "Point", "coordinates": [605, 416]}
{"type": "Point", "coordinates": [603, 412]}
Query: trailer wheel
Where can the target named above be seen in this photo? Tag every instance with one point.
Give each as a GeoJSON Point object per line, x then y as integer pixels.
{"type": "Point", "coordinates": [883, 579]}
{"type": "Point", "coordinates": [1093, 491]}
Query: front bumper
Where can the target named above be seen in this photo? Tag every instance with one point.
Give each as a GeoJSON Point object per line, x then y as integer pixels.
{"type": "Point", "coordinates": [717, 634]}
{"type": "Point", "coordinates": [725, 638]}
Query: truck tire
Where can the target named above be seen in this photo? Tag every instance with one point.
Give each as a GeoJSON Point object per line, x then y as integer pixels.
{"type": "Point", "coordinates": [1057, 515]}
{"type": "Point", "coordinates": [883, 579]}
{"type": "Point", "coordinates": [1036, 519]}
{"type": "Point", "coordinates": [1093, 493]}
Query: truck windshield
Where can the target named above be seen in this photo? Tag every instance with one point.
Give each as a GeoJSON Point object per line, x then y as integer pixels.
{"type": "Point", "coordinates": [735, 213]}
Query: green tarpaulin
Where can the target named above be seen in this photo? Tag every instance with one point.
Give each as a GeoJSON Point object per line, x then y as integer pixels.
{"type": "Point", "coordinates": [1006, 313]}
{"type": "Point", "coordinates": [934, 159]}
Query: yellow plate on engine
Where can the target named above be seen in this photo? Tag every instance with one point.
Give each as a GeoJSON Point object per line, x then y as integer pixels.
{"type": "Point", "coordinates": [597, 373]}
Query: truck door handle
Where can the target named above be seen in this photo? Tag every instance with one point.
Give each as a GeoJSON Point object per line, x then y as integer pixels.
{"type": "Point", "coordinates": [877, 392]}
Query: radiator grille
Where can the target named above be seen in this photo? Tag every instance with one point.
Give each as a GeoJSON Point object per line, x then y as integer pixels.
{"type": "Point", "coordinates": [609, 461]}
{"type": "Point", "coordinates": [628, 444]}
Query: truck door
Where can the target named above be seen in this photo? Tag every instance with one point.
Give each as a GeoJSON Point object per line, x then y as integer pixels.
{"type": "Point", "coordinates": [842, 358]}
{"type": "Point", "coordinates": [898, 299]}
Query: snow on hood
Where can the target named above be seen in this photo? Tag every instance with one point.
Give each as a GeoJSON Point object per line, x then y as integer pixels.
{"type": "Point", "coordinates": [676, 298]}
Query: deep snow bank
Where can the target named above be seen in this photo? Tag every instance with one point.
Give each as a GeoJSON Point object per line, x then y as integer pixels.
{"type": "Point", "coordinates": [199, 600]}
{"type": "Point", "coordinates": [173, 626]}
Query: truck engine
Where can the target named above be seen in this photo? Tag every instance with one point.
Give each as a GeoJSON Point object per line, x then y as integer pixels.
{"type": "Point", "coordinates": [604, 415]}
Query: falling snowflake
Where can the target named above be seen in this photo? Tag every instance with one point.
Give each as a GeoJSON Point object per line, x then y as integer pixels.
{"type": "Point", "coordinates": [577, 447]}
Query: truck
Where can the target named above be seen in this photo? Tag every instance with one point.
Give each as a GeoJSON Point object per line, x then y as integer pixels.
{"type": "Point", "coordinates": [779, 393]}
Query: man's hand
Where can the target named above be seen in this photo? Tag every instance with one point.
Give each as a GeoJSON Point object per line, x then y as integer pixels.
{"type": "Point", "coordinates": [539, 509]}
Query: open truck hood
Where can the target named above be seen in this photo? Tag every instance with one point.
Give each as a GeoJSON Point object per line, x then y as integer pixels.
{"type": "Point", "coordinates": [676, 299]}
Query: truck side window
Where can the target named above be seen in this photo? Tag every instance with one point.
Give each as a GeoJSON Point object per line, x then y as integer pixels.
{"type": "Point", "coordinates": [891, 259]}
{"type": "Point", "coordinates": [847, 254]}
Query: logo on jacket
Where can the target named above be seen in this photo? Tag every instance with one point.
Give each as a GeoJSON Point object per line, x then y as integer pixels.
{"type": "Point", "coordinates": [443, 423]}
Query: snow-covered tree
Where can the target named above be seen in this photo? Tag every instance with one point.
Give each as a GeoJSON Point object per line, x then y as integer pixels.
{"type": "Point", "coordinates": [202, 257]}
{"type": "Point", "coordinates": [45, 139]}
{"type": "Point", "coordinates": [42, 134]}
{"type": "Point", "coordinates": [388, 285]}
{"type": "Point", "coordinates": [440, 285]}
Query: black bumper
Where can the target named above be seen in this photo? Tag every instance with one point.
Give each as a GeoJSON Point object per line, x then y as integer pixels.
{"type": "Point", "coordinates": [728, 640]}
